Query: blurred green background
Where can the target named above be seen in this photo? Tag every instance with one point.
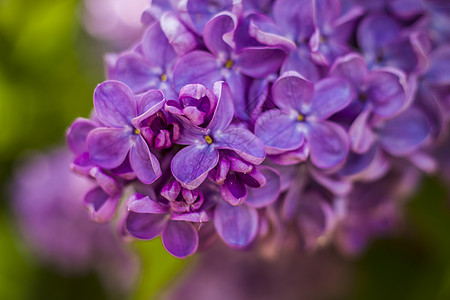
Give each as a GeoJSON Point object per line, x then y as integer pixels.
{"type": "Point", "coordinates": [49, 68]}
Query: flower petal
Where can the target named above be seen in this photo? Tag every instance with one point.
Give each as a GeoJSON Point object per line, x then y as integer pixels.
{"type": "Point", "coordinates": [243, 142]}
{"type": "Point", "coordinates": [109, 146]}
{"type": "Point", "coordinates": [233, 190]}
{"type": "Point", "coordinates": [149, 104]}
{"type": "Point", "coordinates": [386, 91]}
{"type": "Point", "coordinates": [136, 72]}
{"type": "Point", "coordinates": [156, 47]}
{"type": "Point", "coordinates": [142, 204]}
{"type": "Point", "coordinates": [266, 195]}
{"type": "Point", "coordinates": [278, 132]}
{"type": "Point", "coordinates": [404, 133]}
{"type": "Point", "coordinates": [143, 162]}
{"type": "Point", "coordinates": [292, 92]}
{"type": "Point", "coordinates": [77, 135]}
{"type": "Point", "coordinates": [214, 31]}
{"type": "Point", "coordinates": [259, 62]}
{"type": "Point", "coordinates": [191, 165]}
{"type": "Point", "coordinates": [328, 143]}
{"type": "Point", "coordinates": [330, 96]}
{"type": "Point", "coordinates": [236, 225]}
{"type": "Point", "coordinates": [224, 112]}
{"type": "Point", "coordinates": [114, 103]}
{"type": "Point", "coordinates": [101, 206]}
{"type": "Point", "coordinates": [145, 226]}
{"type": "Point", "coordinates": [180, 238]}
{"type": "Point", "coordinates": [351, 67]}
{"type": "Point", "coordinates": [187, 70]}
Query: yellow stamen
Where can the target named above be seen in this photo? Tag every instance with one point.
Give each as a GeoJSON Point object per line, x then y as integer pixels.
{"type": "Point", "coordinates": [208, 139]}
{"type": "Point", "coordinates": [300, 118]}
{"type": "Point", "coordinates": [229, 64]}
{"type": "Point", "coordinates": [136, 131]}
{"type": "Point", "coordinates": [163, 77]}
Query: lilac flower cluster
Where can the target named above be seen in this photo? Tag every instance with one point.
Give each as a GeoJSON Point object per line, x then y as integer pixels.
{"type": "Point", "coordinates": [259, 120]}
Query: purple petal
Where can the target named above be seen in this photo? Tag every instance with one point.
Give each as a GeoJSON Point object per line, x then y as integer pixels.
{"type": "Point", "coordinates": [404, 133]}
{"type": "Point", "coordinates": [101, 206]}
{"type": "Point", "coordinates": [156, 47]}
{"type": "Point", "coordinates": [180, 238]}
{"type": "Point", "coordinates": [109, 146]}
{"type": "Point", "coordinates": [360, 133]}
{"type": "Point", "coordinates": [106, 182]}
{"type": "Point", "coordinates": [77, 135]}
{"type": "Point", "coordinates": [202, 11]}
{"type": "Point", "coordinates": [292, 92]}
{"type": "Point", "coordinates": [438, 73]}
{"type": "Point", "coordinates": [386, 91]}
{"type": "Point", "coordinates": [187, 70]}
{"type": "Point", "coordinates": [279, 132]}
{"type": "Point", "coordinates": [328, 143]}
{"type": "Point", "coordinates": [326, 12]}
{"type": "Point", "coordinates": [376, 31]}
{"type": "Point", "coordinates": [330, 96]}
{"type": "Point", "coordinates": [233, 190]}
{"type": "Point", "coordinates": [224, 112]}
{"type": "Point", "coordinates": [266, 195]}
{"type": "Point", "coordinates": [314, 218]}
{"type": "Point", "coordinates": [180, 38]}
{"type": "Point", "coordinates": [149, 104]}
{"type": "Point", "coordinates": [171, 190]}
{"type": "Point", "coordinates": [143, 162]}
{"type": "Point", "coordinates": [195, 217]}
{"type": "Point", "coordinates": [141, 204]}
{"type": "Point", "coordinates": [136, 72]}
{"type": "Point", "coordinates": [259, 62]}
{"type": "Point", "coordinates": [145, 226]}
{"type": "Point", "coordinates": [301, 62]}
{"type": "Point", "coordinates": [298, 12]}
{"type": "Point", "coordinates": [243, 142]}
{"type": "Point", "coordinates": [264, 31]}
{"type": "Point", "coordinates": [236, 225]}
{"type": "Point", "coordinates": [351, 67]}
{"type": "Point", "coordinates": [114, 103]}
{"type": "Point", "coordinates": [191, 165]}
{"type": "Point", "coordinates": [215, 30]}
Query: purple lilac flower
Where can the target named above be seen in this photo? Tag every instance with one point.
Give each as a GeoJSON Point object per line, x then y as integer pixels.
{"type": "Point", "coordinates": [190, 166]}
{"type": "Point", "coordinates": [299, 123]}
{"type": "Point", "coordinates": [47, 200]}
{"type": "Point", "coordinates": [122, 114]}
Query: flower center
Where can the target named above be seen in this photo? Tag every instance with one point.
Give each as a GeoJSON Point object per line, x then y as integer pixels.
{"type": "Point", "coordinates": [163, 77]}
{"type": "Point", "coordinates": [136, 131]}
{"type": "Point", "coordinates": [229, 64]}
{"type": "Point", "coordinates": [208, 139]}
{"type": "Point", "coordinates": [300, 118]}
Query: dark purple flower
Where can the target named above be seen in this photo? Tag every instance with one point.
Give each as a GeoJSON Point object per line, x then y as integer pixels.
{"type": "Point", "coordinates": [117, 108]}
{"type": "Point", "coordinates": [299, 123]}
{"type": "Point", "coordinates": [191, 165]}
